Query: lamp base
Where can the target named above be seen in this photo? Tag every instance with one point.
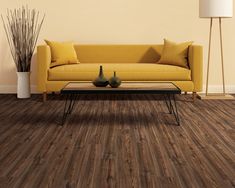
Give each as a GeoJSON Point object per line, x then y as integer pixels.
{"type": "Point", "coordinates": [215, 96]}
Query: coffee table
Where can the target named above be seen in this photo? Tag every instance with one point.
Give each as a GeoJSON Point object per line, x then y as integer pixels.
{"type": "Point", "coordinates": [167, 89]}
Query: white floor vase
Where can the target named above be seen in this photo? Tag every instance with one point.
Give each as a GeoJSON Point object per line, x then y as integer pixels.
{"type": "Point", "coordinates": [23, 85]}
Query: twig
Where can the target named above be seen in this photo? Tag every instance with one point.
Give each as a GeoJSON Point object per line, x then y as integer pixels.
{"type": "Point", "coordinates": [22, 29]}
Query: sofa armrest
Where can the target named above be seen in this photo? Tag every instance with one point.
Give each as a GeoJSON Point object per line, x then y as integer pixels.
{"type": "Point", "coordinates": [43, 64]}
{"type": "Point", "coordinates": [195, 58]}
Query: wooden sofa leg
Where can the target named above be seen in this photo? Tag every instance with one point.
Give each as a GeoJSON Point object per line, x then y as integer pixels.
{"type": "Point", "coordinates": [194, 96]}
{"type": "Point", "coordinates": [44, 95]}
{"type": "Point", "coordinates": [185, 92]}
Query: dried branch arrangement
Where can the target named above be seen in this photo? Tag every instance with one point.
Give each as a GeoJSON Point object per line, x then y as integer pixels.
{"type": "Point", "coordinates": [22, 27]}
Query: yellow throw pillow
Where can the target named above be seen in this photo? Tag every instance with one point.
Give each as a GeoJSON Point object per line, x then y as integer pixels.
{"type": "Point", "coordinates": [175, 54]}
{"type": "Point", "coordinates": [62, 53]}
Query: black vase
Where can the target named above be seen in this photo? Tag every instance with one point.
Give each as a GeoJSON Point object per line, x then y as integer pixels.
{"type": "Point", "coordinates": [114, 81]}
{"type": "Point", "coordinates": [101, 81]}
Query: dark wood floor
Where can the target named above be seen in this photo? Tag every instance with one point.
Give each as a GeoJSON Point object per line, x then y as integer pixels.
{"type": "Point", "coordinates": [111, 142]}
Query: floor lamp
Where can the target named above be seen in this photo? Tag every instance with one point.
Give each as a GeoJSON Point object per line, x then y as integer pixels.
{"type": "Point", "coordinates": [215, 9]}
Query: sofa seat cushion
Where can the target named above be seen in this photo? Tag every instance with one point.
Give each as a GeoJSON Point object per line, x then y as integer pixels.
{"type": "Point", "coordinates": [125, 71]}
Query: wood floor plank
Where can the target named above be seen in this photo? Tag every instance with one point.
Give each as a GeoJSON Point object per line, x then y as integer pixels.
{"type": "Point", "coordinates": [116, 141]}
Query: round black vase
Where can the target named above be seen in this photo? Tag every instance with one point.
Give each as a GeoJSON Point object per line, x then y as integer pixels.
{"type": "Point", "coordinates": [101, 81]}
{"type": "Point", "coordinates": [114, 81]}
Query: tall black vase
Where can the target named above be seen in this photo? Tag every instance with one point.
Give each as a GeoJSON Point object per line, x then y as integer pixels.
{"type": "Point", "coordinates": [101, 81]}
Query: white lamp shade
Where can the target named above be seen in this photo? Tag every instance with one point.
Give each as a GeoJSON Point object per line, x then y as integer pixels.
{"type": "Point", "coordinates": [215, 8]}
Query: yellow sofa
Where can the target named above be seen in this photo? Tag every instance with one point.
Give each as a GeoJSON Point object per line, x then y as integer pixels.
{"type": "Point", "coordinates": [131, 62]}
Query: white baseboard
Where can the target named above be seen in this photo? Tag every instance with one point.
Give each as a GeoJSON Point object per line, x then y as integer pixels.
{"type": "Point", "coordinates": [12, 89]}
{"type": "Point", "coordinates": [219, 89]}
{"type": "Point", "coordinates": [5, 89]}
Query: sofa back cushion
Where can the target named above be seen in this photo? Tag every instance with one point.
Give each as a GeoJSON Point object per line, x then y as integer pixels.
{"type": "Point", "coordinates": [175, 53]}
{"type": "Point", "coordinates": [62, 53]}
{"type": "Point", "coordinates": [118, 53]}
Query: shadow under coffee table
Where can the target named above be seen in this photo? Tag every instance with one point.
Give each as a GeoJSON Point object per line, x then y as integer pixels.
{"type": "Point", "coordinates": [168, 89]}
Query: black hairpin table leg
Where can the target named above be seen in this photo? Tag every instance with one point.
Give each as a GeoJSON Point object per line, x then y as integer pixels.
{"type": "Point", "coordinates": [168, 103]}
{"type": "Point", "coordinates": [172, 106]}
{"type": "Point", "coordinates": [68, 106]}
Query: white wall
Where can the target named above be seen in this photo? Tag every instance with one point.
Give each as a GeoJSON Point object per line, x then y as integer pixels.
{"type": "Point", "coordinates": [124, 22]}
